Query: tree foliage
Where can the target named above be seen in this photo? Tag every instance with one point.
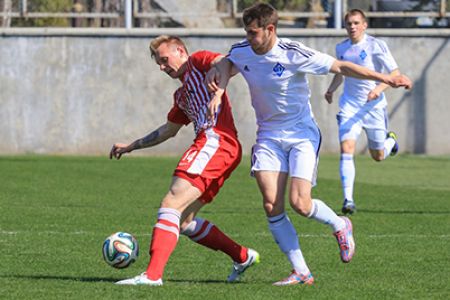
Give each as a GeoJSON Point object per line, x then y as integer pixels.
{"type": "Point", "coordinates": [295, 5]}
{"type": "Point", "coordinates": [45, 6]}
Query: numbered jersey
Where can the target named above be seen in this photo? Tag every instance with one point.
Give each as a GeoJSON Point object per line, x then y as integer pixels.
{"type": "Point", "coordinates": [211, 154]}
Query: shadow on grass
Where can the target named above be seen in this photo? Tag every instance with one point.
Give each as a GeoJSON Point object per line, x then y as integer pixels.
{"type": "Point", "coordinates": [70, 278]}
{"type": "Point", "coordinates": [192, 281]}
{"type": "Point", "coordinates": [105, 279]}
{"type": "Point", "coordinates": [403, 212]}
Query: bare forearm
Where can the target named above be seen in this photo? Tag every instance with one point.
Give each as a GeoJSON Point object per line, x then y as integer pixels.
{"type": "Point", "coordinates": [353, 70]}
{"type": "Point", "coordinates": [149, 140]}
{"type": "Point", "coordinates": [155, 137]}
{"type": "Point", "coordinates": [335, 83]}
{"type": "Point", "coordinates": [223, 67]}
{"type": "Point", "coordinates": [383, 86]}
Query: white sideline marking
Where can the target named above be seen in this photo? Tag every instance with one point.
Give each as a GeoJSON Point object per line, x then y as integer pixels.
{"type": "Point", "coordinates": [3, 232]}
{"type": "Point", "coordinates": [376, 236]}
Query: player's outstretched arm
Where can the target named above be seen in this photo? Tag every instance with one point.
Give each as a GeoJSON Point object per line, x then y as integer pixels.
{"type": "Point", "coordinates": [156, 137]}
{"type": "Point", "coordinates": [347, 68]}
{"type": "Point", "coordinates": [335, 83]}
{"type": "Point", "coordinates": [376, 92]}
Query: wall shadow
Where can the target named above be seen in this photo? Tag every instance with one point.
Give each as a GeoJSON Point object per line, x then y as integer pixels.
{"type": "Point", "coordinates": [418, 112]}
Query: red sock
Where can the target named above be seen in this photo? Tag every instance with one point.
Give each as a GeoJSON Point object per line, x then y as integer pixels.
{"type": "Point", "coordinates": [208, 235]}
{"type": "Point", "coordinates": [164, 240]}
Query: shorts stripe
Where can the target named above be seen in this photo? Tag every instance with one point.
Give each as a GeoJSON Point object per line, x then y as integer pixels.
{"type": "Point", "coordinates": [206, 153]}
{"type": "Point", "coordinates": [316, 168]}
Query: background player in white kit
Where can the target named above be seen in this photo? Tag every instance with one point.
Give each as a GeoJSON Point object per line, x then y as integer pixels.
{"type": "Point", "coordinates": [201, 171]}
{"type": "Point", "coordinates": [363, 103]}
{"type": "Point", "coordinates": [288, 139]}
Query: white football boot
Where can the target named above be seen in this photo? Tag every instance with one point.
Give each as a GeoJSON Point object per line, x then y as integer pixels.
{"type": "Point", "coordinates": [140, 280]}
{"type": "Point", "coordinates": [239, 269]}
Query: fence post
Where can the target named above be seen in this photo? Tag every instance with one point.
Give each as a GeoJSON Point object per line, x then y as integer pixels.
{"type": "Point", "coordinates": [338, 14]}
{"type": "Point", "coordinates": [443, 8]}
{"type": "Point", "coordinates": [128, 14]}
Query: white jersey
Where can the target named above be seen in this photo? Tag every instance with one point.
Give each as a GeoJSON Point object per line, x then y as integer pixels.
{"type": "Point", "coordinates": [371, 53]}
{"type": "Point", "coordinates": [277, 80]}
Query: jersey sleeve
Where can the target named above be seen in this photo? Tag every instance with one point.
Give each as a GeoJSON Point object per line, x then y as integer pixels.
{"type": "Point", "coordinates": [312, 61]}
{"type": "Point", "coordinates": [176, 114]}
{"type": "Point", "coordinates": [233, 53]}
{"type": "Point", "coordinates": [384, 56]}
{"type": "Point", "coordinates": [202, 59]}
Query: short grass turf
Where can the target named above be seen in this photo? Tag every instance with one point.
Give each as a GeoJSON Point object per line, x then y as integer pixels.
{"type": "Point", "coordinates": [56, 212]}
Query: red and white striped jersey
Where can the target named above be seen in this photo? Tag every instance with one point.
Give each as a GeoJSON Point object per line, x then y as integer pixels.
{"type": "Point", "coordinates": [192, 98]}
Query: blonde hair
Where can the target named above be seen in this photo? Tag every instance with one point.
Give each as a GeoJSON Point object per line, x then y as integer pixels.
{"type": "Point", "coordinates": [156, 42]}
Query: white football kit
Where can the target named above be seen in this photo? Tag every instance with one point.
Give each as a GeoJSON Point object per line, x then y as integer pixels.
{"type": "Point", "coordinates": [288, 139]}
{"type": "Point", "coordinates": [355, 112]}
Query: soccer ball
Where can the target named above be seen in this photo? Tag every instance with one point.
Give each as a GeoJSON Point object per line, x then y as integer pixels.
{"type": "Point", "coordinates": [120, 250]}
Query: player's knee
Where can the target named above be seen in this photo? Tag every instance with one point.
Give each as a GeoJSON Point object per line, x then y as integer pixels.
{"type": "Point", "coordinates": [378, 157]}
{"type": "Point", "coordinates": [272, 209]}
{"type": "Point", "coordinates": [301, 205]}
{"type": "Point", "coordinates": [268, 208]}
{"type": "Point", "coordinates": [188, 227]}
{"type": "Point", "coordinates": [169, 202]}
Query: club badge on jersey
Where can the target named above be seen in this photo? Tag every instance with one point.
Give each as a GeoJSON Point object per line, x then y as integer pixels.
{"type": "Point", "coordinates": [279, 69]}
{"type": "Point", "coordinates": [363, 55]}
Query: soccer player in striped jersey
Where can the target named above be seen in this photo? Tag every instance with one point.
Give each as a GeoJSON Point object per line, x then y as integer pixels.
{"type": "Point", "coordinates": [363, 103]}
{"type": "Point", "coordinates": [288, 139]}
{"type": "Point", "coordinates": [201, 171]}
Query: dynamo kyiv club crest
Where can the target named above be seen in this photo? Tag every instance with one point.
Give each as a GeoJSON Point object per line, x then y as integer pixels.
{"type": "Point", "coordinates": [279, 69]}
{"type": "Point", "coordinates": [363, 54]}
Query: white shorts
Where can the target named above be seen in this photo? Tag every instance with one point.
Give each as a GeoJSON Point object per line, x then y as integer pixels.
{"type": "Point", "coordinates": [373, 121]}
{"type": "Point", "coordinates": [294, 151]}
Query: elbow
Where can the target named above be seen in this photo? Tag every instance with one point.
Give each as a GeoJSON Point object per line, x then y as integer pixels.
{"type": "Point", "coordinates": [172, 134]}
{"type": "Point", "coordinates": [337, 67]}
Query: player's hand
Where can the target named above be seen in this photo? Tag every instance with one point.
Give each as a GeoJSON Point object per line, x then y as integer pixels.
{"type": "Point", "coordinates": [117, 150]}
{"type": "Point", "coordinates": [213, 107]}
{"type": "Point", "coordinates": [211, 79]}
{"type": "Point", "coordinates": [373, 94]}
{"type": "Point", "coordinates": [401, 80]}
{"type": "Point", "coordinates": [329, 97]}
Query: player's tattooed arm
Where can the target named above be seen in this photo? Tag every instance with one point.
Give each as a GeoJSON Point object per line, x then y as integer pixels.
{"type": "Point", "coordinates": [157, 136]}
{"type": "Point", "coordinates": [147, 140]}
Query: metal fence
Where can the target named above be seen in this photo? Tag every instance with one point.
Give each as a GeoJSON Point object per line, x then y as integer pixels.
{"type": "Point", "coordinates": [131, 12]}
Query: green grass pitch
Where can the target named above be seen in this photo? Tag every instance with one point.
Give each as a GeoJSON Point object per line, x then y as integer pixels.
{"type": "Point", "coordinates": [56, 212]}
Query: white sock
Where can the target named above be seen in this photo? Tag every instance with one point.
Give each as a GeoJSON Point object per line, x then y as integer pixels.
{"type": "Point", "coordinates": [286, 237]}
{"type": "Point", "coordinates": [388, 145]}
{"type": "Point", "coordinates": [322, 213]}
{"type": "Point", "coordinates": [347, 170]}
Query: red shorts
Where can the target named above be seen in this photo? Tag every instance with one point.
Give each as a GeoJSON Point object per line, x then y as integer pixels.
{"type": "Point", "coordinates": [209, 162]}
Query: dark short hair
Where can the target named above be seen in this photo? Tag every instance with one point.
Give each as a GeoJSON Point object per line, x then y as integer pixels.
{"type": "Point", "coordinates": [354, 12]}
{"type": "Point", "coordinates": [263, 12]}
{"type": "Point", "coordinates": [170, 39]}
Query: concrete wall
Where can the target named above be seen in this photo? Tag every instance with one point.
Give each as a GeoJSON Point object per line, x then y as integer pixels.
{"type": "Point", "coordinates": [78, 92]}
